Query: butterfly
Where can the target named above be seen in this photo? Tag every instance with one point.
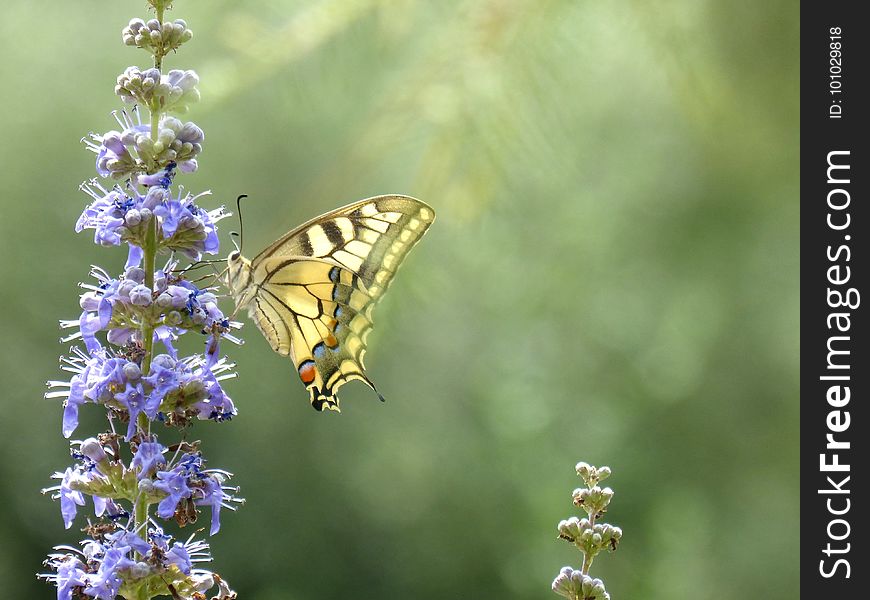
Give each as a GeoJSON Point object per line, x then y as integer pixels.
{"type": "Point", "coordinates": [311, 292]}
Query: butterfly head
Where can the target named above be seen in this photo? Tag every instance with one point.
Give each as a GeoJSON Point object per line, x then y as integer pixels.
{"type": "Point", "coordinates": [239, 278]}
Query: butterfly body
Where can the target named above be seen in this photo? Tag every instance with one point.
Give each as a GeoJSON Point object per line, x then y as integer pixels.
{"type": "Point", "coordinates": [312, 292]}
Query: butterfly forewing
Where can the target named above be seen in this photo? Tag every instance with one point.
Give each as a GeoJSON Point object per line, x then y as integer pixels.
{"type": "Point", "coordinates": [312, 292]}
{"type": "Point", "coordinates": [370, 238]}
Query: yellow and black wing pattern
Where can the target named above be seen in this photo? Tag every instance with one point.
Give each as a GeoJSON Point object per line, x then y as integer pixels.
{"type": "Point", "coordinates": [317, 286]}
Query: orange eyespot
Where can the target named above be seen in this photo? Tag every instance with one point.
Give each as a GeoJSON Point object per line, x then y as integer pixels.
{"type": "Point", "coordinates": [307, 372]}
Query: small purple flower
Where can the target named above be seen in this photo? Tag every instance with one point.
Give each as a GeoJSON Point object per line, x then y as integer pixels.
{"type": "Point", "coordinates": [134, 400]}
{"type": "Point", "coordinates": [162, 381]}
{"type": "Point", "coordinates": [174, 296]}
{"type": "Point", "coordinates": [159, 183]}
{"type": "Point", "coordinates": [106, 214]}
{"type": "Point", "coordinates": [218, 406]}
{"type": "Point", "coordinates": [213, 496]}
{"type": "Point", "coordinates": [104, 381]}
{"type": "Point", "coordinates": [104, 585]}
{"type": "Point", "coordinates": [149, 456]}
{"type": "Point", "coordinates": [108, 507]}
{"type": "Point", "coordinates": [127, 540]}
{"type": "Point", "coordinates": [180, 557]}
{"type": "Point", "coordinates": [113, 158]}
{"type": "Point", "coordinates": [173, 483]}
{"type": "Point", "coordinates": [93, 450]}
{"type": "Point", "coordinates": [70, 575]}
{"type": "Point", "coordinates": [70, 498]}
{"type": "Point", "coordinates": [134, 256]}
{"type": "Point", "coordinates": [71, 408]}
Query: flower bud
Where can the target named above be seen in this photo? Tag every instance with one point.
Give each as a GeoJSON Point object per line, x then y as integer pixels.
{"type": "Point", "coordinates": [132, 371]}
{"type": "Point", "coordinates": [160, 281]}
{"type": "Point", "coordinates": [89, 301]}
{"type": "Point", "coordinates": [93, 450]}
{"type": "Point", "coordinates": [141, 296]}
{"type": "Point", "coordinates": [92, 550]}
{"type": "Point", "coordinates": [135, 274]}
{"type": "Point", "coordinates": [119, 337]}
{"type": "Point", "coordinates": [163, 360]}
{"type": "Point", "coordinates": [125, 287]}
{"type": "Point", "coordinates": [154, 197]}
{"type": "Point", "coordinates": [133, 218]}
{"type": "Point", "coordinates": [172, 318]}
{"type": "Point", "coordinates": [146, 486]}
{"type": "Point", "coordinates": [202, 582]}
{"type": "Point", "coordinates": [139, 570]}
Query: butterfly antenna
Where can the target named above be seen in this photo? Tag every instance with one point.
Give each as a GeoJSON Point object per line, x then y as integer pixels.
{"type": "Point", "coordinates": [241, 223]}
{"type": "Point", "coordinates": [198, 264]}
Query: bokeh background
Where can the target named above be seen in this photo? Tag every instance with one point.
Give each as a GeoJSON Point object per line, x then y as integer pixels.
{"type": "Point", "coordinates": [612, 277]}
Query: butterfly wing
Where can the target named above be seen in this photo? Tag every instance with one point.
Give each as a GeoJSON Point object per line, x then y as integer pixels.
{"type": "Point", "coordinates": [319, 314]}
{"type": "Point", "coordinates": [370, 238]}
{"type": "Point", "coordinates": [315, 287]}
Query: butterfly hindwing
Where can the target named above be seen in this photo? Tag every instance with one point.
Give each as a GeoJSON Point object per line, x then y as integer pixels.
{"type": "Point", "coordinates": [312, 292]}
{"type": "Point", "coordinates": [319, 314]}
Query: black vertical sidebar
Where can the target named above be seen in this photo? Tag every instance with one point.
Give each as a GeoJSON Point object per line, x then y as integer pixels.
{"type": "Point", "coordinates": [835, 225]}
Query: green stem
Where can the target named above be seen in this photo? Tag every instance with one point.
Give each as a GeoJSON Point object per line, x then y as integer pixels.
{"type": "Point", "coordinates": [150, 251]}
{"type": "Point", "coordinates": [158, 64]}
{"type": "Point", "coordinates": [141, 516]}
{"type": "Point", "coordinates": [140, 507]}
{"type": "Point", "coordinates": [587, 563]}
{"type": "Point", "coordinates": [144, 425]}
{"type": "Point", "coordinates": [155, 124]}
{"type": "Point", "coordinates": [588, 558]}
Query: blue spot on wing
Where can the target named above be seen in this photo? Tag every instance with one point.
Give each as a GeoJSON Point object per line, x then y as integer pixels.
{"type": "Point", "coordinates": [319, 350]}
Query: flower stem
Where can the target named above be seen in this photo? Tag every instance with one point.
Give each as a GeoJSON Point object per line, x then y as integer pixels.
{"type": "Point", "coordinates": [140, 508]}
{"type": "Point", "coordinates": [159, 6]}
{"type": "Point", "coordinates": [150, 252]}
{"type": "Point", "coordinates": [588, 558]}
{"type": "Point", "coordinates": [150, 249]}
{"type": "Point", "coordinates": [144, 425]}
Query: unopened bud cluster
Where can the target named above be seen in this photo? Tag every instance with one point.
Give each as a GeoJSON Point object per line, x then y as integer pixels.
{"type": "Point", "coordinates": [587, 536]}
{"type": "Point", "coordinates": [572, 583]}
{"type": "Point", "coordinates": [135, 150]}
{"type": "Point", "coordinates": [156, 37]}
{"type": "Point", "coordinates": [590, 538]}
{"type": "Point", "coordinates": [174, 91]}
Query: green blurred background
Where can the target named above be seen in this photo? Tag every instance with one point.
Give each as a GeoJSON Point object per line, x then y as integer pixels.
{"type": "Point", "coordinates": [612, 277]}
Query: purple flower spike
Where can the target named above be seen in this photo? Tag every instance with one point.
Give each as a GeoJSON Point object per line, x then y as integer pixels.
{"type": "Point", "coordinates": [123, 356]}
